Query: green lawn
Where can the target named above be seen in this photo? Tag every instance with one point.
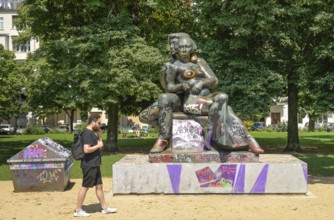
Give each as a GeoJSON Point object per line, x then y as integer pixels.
{"type": "Point", "coordinates": [318, 150]}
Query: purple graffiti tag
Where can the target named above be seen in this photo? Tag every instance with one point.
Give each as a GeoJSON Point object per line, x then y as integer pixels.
{"type": "Point", "coordinates": [239, 185]}
{"type": "Point", "coordinates": [260, 184]}
{"type": "Point", "coordinates": [205, 175]}
{"type": "Point", "coordinates": [226, 175]}
{"type": "Point", "coordinates": [304, 167]}
{"type": "Point", "coordinates": [174, 172]}
{"type": "Point", "coordinates": [37, 151]}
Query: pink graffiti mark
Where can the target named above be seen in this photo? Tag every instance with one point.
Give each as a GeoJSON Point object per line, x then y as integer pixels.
{"type": "Point", "coordinates": [37, 151]}
{"type": "Point", "coordinates": [223, 177]}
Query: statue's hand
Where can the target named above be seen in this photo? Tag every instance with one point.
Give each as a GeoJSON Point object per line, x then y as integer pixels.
{"type": "Point", "coordinates": [197, 88]}
{"type": "Point", "coordinates": [185, 87]}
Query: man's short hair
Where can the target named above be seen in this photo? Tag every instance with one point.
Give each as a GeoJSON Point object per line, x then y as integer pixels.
{"type": "Point", "coordinates": [93, 117]}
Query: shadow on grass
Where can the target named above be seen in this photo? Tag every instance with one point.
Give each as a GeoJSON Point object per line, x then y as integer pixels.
{"type": "Point", "coordinates": [318, 164]}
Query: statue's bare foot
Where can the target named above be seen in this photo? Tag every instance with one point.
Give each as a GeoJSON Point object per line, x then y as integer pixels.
{"type": "Point", "coordinates": [159, 145]}
{"type": "Point", "coordinates": [256, 149]}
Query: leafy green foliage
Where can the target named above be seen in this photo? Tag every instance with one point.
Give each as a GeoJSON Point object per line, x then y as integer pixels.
{"type": "Point", "coordinates": [267, 49]}
{"type": "Point", "coordinates": [95, 59]}
{"type": "Point", "coordinates": [11, 83]}
{"type": "Point", "coordinates": [237, 46]}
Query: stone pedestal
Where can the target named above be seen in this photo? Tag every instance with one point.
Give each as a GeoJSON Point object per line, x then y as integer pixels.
{"type": "Point", "coordinates": [273, 173]}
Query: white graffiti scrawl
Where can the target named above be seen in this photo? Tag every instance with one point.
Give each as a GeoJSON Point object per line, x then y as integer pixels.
{"type": "Point", "coordinates": [47, 176]}
{"type": "Point", "coordinates": [193, 108]}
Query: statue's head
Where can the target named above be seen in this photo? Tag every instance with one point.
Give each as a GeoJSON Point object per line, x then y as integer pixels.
{"type": "Point", "coordinates": [173, 41]}
{"type": "Point", "coordinates": [185, 49]}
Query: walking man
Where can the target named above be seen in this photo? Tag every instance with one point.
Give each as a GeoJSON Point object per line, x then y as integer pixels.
{"type": "Point", "coordinates": [90, 165]}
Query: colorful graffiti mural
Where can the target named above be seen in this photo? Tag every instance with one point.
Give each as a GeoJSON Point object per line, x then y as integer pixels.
{"type": "Point", "coordinates": [187, 135]}
{"type": "Point", "coordinates": [223, 177]}
{"type": "Point", "coordinates": [35, 151]}
{"type": "Point", "coordinates": [228, 176]}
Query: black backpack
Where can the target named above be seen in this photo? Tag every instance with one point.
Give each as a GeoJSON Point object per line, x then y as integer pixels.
{"type": "Point", "coordinates": [77, 148]}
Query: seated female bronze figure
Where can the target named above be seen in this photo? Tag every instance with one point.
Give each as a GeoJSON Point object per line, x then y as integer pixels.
{"type": "Point", "coordinates": [188, 81]}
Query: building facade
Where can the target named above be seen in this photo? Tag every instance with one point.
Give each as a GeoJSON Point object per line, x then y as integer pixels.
{"type": "Point", "coordinates": [279, 115]}
{"type": "Point", "coordinates": [8, 31]}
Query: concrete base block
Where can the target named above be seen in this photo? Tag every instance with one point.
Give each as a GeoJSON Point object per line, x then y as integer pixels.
{"type": "Point", "coordinates": [274, 173]}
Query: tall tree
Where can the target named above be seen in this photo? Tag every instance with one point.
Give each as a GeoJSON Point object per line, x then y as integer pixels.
{"type": "Point", "coordinates": [257, 46]}
{"type": "Point", "coordinates": [11, 83]}
{"type": "Point", "coordinates": [320, 63]}
{"type": "Point", "coordinates": [95, 53]}
{"type": "Point", "coordinates": [235, 37]}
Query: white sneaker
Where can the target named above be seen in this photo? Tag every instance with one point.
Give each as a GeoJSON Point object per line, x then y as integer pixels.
{"type": "Point", "coordinates": [80, 213]}
{"type": "Point", "coordinates": [109, 210]}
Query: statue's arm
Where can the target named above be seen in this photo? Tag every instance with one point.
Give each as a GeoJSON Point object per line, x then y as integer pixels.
{"type": "Point", "coordinates": [173, 87]}
{"type": "Point", "coordinates": [210, 81]}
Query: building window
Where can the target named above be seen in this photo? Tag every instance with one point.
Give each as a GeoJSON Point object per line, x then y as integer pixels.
{"type": "Point", "coordinates": [325, 118]}
{"type": "Point", "coordinates": [9, 4]}
{"type": "Point", "coordinates": [14, 18]}
{"type": "Point", "coordinates": [21, 47]}
{"type": "Point", "coordinates": [299, 118]}
{"type": "Point", "coordinates": [1, 23]}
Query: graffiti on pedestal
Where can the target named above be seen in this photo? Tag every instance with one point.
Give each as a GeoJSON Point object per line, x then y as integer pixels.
{"type": "Point", "coordinates": [223, 177]}
{"type": "Point", "coordinates": [187, 135]}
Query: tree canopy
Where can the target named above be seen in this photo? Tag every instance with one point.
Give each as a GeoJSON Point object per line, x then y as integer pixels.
{"type": "Point", "coordinates": [108, 53]}
{"type": "Point", "coordinates": [11, 83]}
{"type": "Point", "coordinates": [262, 50]}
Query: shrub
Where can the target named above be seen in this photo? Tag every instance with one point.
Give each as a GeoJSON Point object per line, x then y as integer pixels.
{"type": "Point", "coordinates": [282, 127]}
{"type": "Point", "coordinates": [34, 129]}
{"type": "Point", "coordinates": [248, 124]}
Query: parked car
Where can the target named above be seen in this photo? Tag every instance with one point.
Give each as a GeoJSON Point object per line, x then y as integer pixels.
{"type": "Point", "coordinates": [330, 127]}
{"type": "Point", "coordinates": [6, 129]}
{"type": "Point", "coordinates": [257, 126]}
{"type": "Point", "coordinates": [63, 127]}
{"type": "Point", "coordinates": [47, 128]}
{"type": "Point", "coordinates": [20, 131]}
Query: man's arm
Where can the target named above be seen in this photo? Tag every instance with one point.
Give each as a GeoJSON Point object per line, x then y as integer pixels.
{"type": "Point", "coordinates": [90, 149]}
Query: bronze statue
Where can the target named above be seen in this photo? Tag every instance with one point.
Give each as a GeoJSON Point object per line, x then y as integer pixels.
{"type": "Point", "coordinates": [188, 80]}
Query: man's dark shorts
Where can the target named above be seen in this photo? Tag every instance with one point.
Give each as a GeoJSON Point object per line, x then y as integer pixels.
{"type": "Point", "coordinates": [91, 177]}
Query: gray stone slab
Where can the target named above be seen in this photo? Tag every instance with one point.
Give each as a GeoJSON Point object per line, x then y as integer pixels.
{"type": "Point", "coordinates": [212, 156]}
{"type": "Point", "coordinates": [272, 174]}
{"type": "Point", "coordinates": [174, 156]}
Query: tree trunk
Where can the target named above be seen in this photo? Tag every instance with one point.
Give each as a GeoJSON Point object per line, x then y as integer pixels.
{"type": "Point", "coordinates": [71, 116]}
{"type": "Point", "coordinates": [311, 123]}
{"type": "Point", "coordinates": [112, 129]}
{"type": "Point", "coordinates": [293, 138]}
{"type": "Point", "coordinates": [71, 119]}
